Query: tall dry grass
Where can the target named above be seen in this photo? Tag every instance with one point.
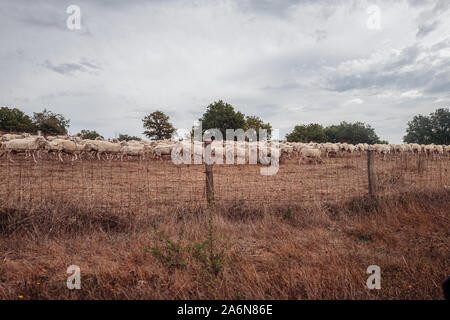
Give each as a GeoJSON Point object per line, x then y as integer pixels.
{"type": "Point", "coordinates": [246, 251]}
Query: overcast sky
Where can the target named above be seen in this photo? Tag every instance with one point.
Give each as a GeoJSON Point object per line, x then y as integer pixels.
{"type": "Point", "coordinates": [288, 62]}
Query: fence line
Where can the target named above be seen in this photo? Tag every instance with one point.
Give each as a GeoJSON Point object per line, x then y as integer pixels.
{"type": "Point", "coordinates": [154, 185]}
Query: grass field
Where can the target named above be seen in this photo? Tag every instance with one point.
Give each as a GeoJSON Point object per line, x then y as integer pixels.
{"type": "Point", "coordinates": [142, 230]}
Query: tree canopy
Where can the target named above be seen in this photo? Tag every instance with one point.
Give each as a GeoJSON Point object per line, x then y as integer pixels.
{"type": "Point", "coordinates": [254, 122]}
{"type": "Point", "coordinates": [354, 133]}
{"type": "Point", "coordinates": [434, 128]}
{"type": "Point", "coordinates": [312, 132]}
{"type": "Point", "coordinates": [89, 134]}
{"type": "Point", "coordinates": [50, 123]}
{"type": "Point", "coordinates": [157, 126]}
{"type": "Point", "coordinates": [222, 116]}
{"type": "Point", "coordinates": [14, 120]}
{"type": "Point", "coordinates": [126, 137]}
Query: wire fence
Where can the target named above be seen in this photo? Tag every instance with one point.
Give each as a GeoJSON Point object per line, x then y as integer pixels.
{"type": "Point", "coordinates": [155, 185]}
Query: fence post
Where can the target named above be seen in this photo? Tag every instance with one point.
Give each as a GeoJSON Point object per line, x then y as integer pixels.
{"type": "Point", "coordinates": [209, 179]}
{"type": "Point", "coordinates": [370, 174]}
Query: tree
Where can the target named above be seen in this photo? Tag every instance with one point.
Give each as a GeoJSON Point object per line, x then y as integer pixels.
{"type": "Point", "coordinates": [222, 116]}
{"type": "Point", "coordinates": [125, 137]}
{"type": "Point", "coordinates": [434, 128]}
{"type": "Point", "coordinates": [50, 123]}
{"type": "Point", "coordinates": [14, 120]}
{"type": "Point", "coordinates": [89, 134]}
{"type": "Point", "coordinates": [157, 126]}
{"type": "Point", "coordinates": [312, 132]}
{"type": "Point", "coordinates": [353, 133]}
{"type": "Point", "coordinates": [256, 123]}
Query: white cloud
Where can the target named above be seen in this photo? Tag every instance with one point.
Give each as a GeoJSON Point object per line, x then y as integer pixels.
{"type": "Point", "coordinates": [353, 101]}
{"type": "Point", "coordinates": [411, 94]}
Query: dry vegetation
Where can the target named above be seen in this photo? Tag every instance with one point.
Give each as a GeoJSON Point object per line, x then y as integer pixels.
{"type": "Point", "coordinates": [141, 230]}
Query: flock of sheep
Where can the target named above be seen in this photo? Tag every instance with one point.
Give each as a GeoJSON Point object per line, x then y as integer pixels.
{"type": "Point", "coordinates": [58, 146]}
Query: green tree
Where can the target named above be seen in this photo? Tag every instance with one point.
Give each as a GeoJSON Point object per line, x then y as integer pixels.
{"type": "Point", "coordinates": [222, 116]}
{"type": "Point", "coordinates": [125, 137]}
{"type": "Point", "coordinates": [256, 123]}
{"type": "Point", "coordinates": [14, 120]}
{"type": "Point", "coordinates": [50, 123]}
{"type": "Point", "coordinates": [157, 126]}
{"type": "Point", "coordinates": [89, 134]}
{"type": "Point", "coordinates": [312, 132]}
{"type": "Point", "coordinates": [354, 133]}
{"type": "Point", "coordinates": [434, 128]}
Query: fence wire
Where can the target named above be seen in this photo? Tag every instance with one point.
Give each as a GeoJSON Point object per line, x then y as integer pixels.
{"type": "Point", "coordinates": [155, 185]}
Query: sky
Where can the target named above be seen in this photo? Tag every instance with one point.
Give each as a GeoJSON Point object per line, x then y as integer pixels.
{"type": "Point", "coordinates": [288, 62]}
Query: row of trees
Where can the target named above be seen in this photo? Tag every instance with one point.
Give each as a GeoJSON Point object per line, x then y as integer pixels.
{"type": "Point", "coordinates": [47, 122]}
{"type": "Point", "coordinates": [434, 128]}
{"type": "Point", "coordinates": [354, 133]}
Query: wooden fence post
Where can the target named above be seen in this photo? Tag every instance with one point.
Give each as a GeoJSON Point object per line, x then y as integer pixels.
{"type": "Point", "coordinates": [370, 175]}
{"type": "Point", "coordinates": [209, 179]}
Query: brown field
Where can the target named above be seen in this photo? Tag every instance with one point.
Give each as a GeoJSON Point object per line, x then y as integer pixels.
{"type": "Point", "coordinates": [143, 230]}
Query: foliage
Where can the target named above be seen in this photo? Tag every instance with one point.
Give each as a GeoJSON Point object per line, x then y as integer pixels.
{"type": "Point", "coordinates": [170, 253]}
{"type": "Point", "coordinates": [125, 137]}
{"type": "Point", "coordinates": [354, 133]}
{"type": "Point", "coordinates": [50, 123]}
{"type": "Point", "coordinates": [14, 120]}
{"type": "Point", "coordinates": [157, 126]}
{"type": "Point", "coordinates": [312, 132]}
{"type": "Point", "coordinates": [88, 134]}
{"type": "Point", "coordinates": [222, 116]}
{"type": "Point", "coordinates": [434, 128]}
{"type": "Point", "coordinates": [254, 122]}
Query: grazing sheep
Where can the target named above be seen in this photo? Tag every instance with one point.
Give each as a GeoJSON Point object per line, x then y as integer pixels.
{"type": "Point", "coordinates": [61, 146]}
{"type": "Point", "coordinates": [381, 149]}
{"type": "Point", "coordinates": [28, 145]}
{"type": "Point", "coordinates": [331, 149]}
{"type": "Point", "coordinates": [163, 149]}
{"type": "Point", "coordinates": [310, 154]}
{"type": "Point", "coordinates": [416, 148]}
{"type": "Point", "coordinates": [100, 147]}
{"type": "Point", "coordinates": [133, 150]}
{"type": "Point", "coordinates": [11, 136]}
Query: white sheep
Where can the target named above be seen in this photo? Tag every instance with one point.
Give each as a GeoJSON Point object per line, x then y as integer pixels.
{"type": "Point", "coordinates": [28, 145]}
{"type": "Point", "coordinates": [310, 154]}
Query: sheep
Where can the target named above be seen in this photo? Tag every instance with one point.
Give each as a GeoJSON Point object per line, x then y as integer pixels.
{"type": "Point", "coordinates": [447, 149]}
{"type": "Point", "coordinates": [133, 150]}
{"type": "Point", "coordinates": [311, 154]}
{"type": "Point", "coordinates": [68, 146]}
{"type": "Point", "coordinates": [331, 149]}
{"type": "Point", "coordinates": [416, 148]}
{"type": "Point", "coordinates": [28, 145]}
{"type": "Point", "coordinates": [100, 147]}
{"type": "Point", "coordinates": [399, 148]}
{"type": "Point", "coordinates": [11, 136]}
{"type": "Point", "coordinates": [286, 150]}
{"type": "Point", "coordinates": [163, 149]}
{"type": "Point", "coordinates": [381, 149]}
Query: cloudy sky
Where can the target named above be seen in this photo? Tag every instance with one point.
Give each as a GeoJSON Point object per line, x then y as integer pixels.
{"type": "Point", "coordinates": [289, 62]}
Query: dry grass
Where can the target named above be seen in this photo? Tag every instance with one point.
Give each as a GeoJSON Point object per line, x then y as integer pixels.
{"type": "Point", "coordinates": [132, 241]}
{"type": "Point", "coordinates": [310, 253]}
